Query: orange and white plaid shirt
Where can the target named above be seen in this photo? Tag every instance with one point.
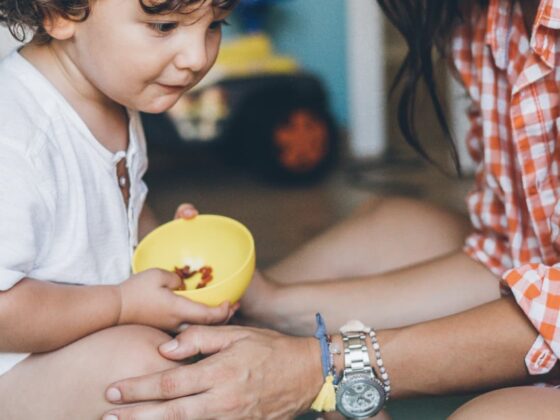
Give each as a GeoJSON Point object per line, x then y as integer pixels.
{"type": "Point", "coordinates": [514, 83]}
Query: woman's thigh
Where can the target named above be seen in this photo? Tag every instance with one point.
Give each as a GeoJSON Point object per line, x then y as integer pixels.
{"type": "Point", "coordinates": [69, 383]}
{"type": "Point", "coordinates": [383, 235]}
{"type": "Point", "coordinates": [519, 403]}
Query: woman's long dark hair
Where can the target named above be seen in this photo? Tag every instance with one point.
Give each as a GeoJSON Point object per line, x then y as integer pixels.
{"type": "Point", "coordinates": [426, 25]}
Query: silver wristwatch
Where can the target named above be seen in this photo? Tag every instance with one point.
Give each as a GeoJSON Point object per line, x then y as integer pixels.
{"type": "Point", "coordinates": [359, 394]}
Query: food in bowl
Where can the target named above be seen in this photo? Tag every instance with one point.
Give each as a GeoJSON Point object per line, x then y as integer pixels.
{"type": "Point", "coordinates": [186, 273]}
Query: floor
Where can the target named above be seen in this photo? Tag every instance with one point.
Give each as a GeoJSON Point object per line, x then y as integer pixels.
{"type": "Point", "coordinates": [281, 217]}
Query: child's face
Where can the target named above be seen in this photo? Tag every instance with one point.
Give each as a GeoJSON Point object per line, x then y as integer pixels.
{"type": "Point", "coordinates": [145, 62]}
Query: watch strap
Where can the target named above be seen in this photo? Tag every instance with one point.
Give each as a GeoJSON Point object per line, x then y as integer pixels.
{"type": "Point", "coordinates": [356, 356]}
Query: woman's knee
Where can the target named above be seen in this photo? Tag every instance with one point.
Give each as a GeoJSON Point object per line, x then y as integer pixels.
{"type": "Point", "coordinates": [512, 403]}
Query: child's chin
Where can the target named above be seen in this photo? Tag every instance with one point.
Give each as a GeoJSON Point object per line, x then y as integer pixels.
{"type": "Point", "coordinates": [156, 109]}
{"type": "Point", "coordinates": [161, 104]}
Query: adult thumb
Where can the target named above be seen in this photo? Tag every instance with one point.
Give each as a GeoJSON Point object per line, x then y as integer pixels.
{"type": "Point", "coordinates": [199, 339]}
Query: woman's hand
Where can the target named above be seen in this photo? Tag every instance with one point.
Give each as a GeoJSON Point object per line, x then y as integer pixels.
{"type": "Point", "coordinates": [147, 298]}
{"type": "Point", "coordinates": [249, 373]}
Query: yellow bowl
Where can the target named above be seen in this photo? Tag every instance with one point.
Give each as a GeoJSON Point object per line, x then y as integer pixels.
{"type": "Point", "coordinates": [217, 241]}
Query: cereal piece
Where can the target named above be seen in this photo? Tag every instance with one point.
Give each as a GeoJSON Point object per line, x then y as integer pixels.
{"type": "Point", "coordinates": [186, 273]}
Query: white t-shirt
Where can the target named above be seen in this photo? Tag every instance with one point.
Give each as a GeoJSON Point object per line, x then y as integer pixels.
{"type": "Point", "coordinates": [62, 214]}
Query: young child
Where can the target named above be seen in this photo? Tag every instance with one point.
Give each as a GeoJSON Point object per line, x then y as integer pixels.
{"type": "Point", "coordinates": [72, 157]}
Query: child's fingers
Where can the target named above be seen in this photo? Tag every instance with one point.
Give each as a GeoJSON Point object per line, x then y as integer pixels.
{"type": "Point", "coordinates": [230, 315]}
{"type": "Point", "coordinates": [197, 313]}
{"type": "Point", "coordinates": [170, 280]}
{"type": "Point", "coordinates": [232, 310]}
{"type": "Point", "coordinates": [186, 211]}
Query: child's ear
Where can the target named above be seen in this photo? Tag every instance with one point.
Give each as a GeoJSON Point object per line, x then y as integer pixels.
{"type": "Point", "coordinates": [59, 28]}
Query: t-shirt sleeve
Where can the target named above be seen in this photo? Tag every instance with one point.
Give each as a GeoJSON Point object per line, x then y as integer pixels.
{"type": "Point", "coordinates": [23, 219]}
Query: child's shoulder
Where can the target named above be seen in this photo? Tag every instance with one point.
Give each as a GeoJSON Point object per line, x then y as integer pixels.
{"type": "Point", "coordinates": [24, 118]}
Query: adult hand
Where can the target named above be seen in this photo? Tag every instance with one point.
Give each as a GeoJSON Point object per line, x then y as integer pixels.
{"type": "Point", "coordinates": [249, 373]}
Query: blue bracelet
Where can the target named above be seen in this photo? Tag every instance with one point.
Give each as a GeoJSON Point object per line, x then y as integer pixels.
{"type": "Point", "coordinates": [321, 335]}
{"type": "Point", "coordinates": [326, 399]}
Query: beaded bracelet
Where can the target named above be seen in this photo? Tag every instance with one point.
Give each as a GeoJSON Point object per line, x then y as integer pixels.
{"type": "Point", "coordinates": [384, 375]}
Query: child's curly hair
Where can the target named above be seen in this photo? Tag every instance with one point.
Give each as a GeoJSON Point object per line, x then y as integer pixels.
{"type": "Point", "coordinates": [22, 15]}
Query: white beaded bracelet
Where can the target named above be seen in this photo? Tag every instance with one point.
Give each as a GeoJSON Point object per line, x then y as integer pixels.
{"type": "Point", "coordinates": [384, 375]}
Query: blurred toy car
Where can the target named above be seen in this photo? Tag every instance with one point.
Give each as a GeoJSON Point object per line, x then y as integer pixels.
{"type": "Point", "coordinates": [260, 111]}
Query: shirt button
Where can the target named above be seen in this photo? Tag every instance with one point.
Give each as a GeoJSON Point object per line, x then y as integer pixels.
{"type": "Point", "coordinates": [540, 360]}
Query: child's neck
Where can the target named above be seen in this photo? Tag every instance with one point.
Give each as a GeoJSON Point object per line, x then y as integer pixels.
{"type": "Point", "coordinates": [107, 120]}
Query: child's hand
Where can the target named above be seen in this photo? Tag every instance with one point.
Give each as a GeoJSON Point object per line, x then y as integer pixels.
{"type": "Point", "coordinates": [147, 298]}
{"type": "Point", "coordinates": [186, 211]}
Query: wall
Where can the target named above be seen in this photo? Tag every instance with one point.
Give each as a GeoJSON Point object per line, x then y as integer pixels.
{"type": "Point", "coordinates": [313, 32]}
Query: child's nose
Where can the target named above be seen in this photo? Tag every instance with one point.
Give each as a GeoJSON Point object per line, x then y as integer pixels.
{"type": "Point", "coordinates": [192, 56]}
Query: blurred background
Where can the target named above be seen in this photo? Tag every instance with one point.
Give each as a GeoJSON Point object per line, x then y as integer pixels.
{"type": "Point", "coordinates": [295, 127]}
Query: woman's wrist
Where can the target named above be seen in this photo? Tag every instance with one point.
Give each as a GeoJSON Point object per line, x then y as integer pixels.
{"type": "Point", "coordinates": [383, 337]}
{"type": "Point", "coordinates": [337, 350]}
{"type": "Point", "coordinates": [314, 371]}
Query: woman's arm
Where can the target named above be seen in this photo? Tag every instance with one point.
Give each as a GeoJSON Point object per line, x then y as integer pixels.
{"type": "Point", "coordinates": [38, 316]}
{"type": "Point", "coordinates": [422, 292]}
{"type": "Point", "coordinates": [252, 371]}
{"type": "Point", "coordinates": [483, 348]}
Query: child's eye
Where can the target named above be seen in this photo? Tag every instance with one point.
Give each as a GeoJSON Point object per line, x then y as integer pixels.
{"type": "Point", "coordinates": [216, 25]}
{"type": "Point", "coordinates": [163, 27]}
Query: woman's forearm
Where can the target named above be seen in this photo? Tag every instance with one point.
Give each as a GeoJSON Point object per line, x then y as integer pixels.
{"type": "Point", "coordinates": [38, 316]}
{"type": "Point", "coordinates": [479, 349]}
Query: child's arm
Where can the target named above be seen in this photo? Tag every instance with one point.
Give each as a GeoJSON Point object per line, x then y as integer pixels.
{"type": "Point", "coordinates": [38, 316]}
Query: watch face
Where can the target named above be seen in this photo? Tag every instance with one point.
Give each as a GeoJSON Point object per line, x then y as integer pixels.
{"type": "Point", "coordinates": [360, 397]}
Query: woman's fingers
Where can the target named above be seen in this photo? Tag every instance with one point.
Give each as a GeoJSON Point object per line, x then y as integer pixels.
{"type": "Point", "coordinates": [197, 313]}
{"type": "Point", "coordinates": [170, 384]}
{"type": "Point", "coordinates": [186, 211]}
{"type": "Point", "coordinates": [194, 407]}
{"type": "Point", "coordinates": [201, 340]}
{"type": "Point", "coordinates": [184, 380]}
